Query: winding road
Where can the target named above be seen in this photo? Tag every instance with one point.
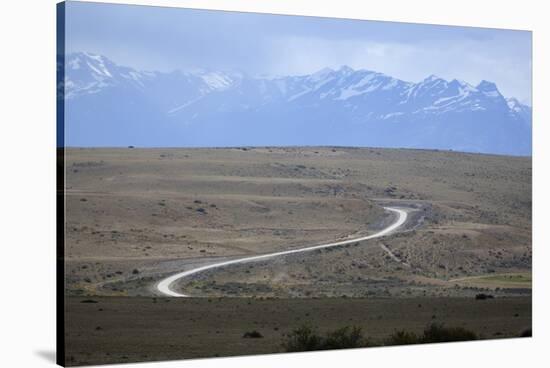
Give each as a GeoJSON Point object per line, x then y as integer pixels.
{"type": "Point", "coordinates": [164, 285]}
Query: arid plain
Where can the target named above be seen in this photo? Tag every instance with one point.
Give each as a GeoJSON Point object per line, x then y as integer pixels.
{"type": "Point", "coordinates": [135, 216]}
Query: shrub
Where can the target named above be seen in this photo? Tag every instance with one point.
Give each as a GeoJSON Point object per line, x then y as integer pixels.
{"type": "Point", "coordinates": [483, 296]}
{"type": "Point", "coordinates": [344, 338]}
{"type": "Point", "coordinates": [306, 338]}
{"type": "Point", "coordinates": [402, 338]}
{"type": "Point", "coordinates": [432, 333]}
{"type": "Point", "coordinates": [252, 335]}
{"type": "Point", "coordinates": [437, 333]}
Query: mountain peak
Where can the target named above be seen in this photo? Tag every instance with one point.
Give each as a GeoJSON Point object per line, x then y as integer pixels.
{"type": "Point", "coordinates": [486, 86]}
{"type": "Point", "coordinates": [514, 104]}
{"type": "Point", "coordinates": [489, 89]}
{"type": "Point", "coordinates": [512, 101]}
{"type": "Point", "coordinates": [344, 69]}
{"type": "Point", "coordinates": [321, 74]}
{"type": "Point", "coordinates": [88, 56]}
{"type": "Point", "coordinates": [431, 78]}
{"type": "Point", "coordinates": [98, 64]}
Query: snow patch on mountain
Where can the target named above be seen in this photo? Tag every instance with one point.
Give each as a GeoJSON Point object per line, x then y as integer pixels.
{"type": "Point", "coordinates": [217, 81]}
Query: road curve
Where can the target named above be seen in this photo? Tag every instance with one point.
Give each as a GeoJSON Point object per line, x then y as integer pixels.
{"type": "Point", "coordinates": [164, 285]}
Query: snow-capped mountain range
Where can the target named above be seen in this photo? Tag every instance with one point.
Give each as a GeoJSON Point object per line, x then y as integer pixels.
{"type": "Point", "coordinates": [111, 105]}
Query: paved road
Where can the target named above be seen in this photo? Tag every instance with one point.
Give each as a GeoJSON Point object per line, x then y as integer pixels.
{"type": "Point", "coordinates": [164, 285]}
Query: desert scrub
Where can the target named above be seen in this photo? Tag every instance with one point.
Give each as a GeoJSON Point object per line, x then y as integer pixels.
{"type": "Point", "coordinates": [344, 338]}
{"type": "Point", "coordinates": [432, 333]}
{"type": "Point", "coordinates": [306, 338]}
{"type": "Point", "coordinates": [438, 333]}
{"type": "Point", "coordinates": [252, 335]}
{"type": "Point", "coordinates": [402, 338]}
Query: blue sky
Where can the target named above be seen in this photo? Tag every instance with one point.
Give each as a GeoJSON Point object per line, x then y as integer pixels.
{"type": "Point", "coordinates": [164, 39]}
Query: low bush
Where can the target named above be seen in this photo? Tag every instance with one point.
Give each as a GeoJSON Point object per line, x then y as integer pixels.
{"type": "Point", "coordinates": [402, 338]}
{"type": "Point", "coordinates": [438, 333]}
{"type": "Point", "coordinates": [432, 333]}
{"type": "Point", "coordinates": [344, 338]}
{"type": "Point", "coordinates": [483, 296]}
{"type": "Point", "coordinates": [304, 338]}
{"type": "Point", "coordinates": [307, 338]}
{"type": "Point", "coordinates": [252, 335]}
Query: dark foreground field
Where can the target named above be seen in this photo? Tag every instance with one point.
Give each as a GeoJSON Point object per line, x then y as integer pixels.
{"type": "Point", "coordinates": [102, 330]}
